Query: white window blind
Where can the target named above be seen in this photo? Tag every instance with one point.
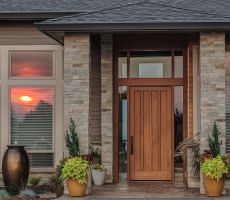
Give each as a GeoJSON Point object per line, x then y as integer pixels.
{"type": "Point", "coordinates": [32, 122]}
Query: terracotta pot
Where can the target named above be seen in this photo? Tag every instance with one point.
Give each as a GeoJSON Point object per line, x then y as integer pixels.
{"type": "Point", "coordinates": [75, 188]}
{"type": "Point", "coordinates": [15, 168]}
{"type": "Point", "coordinates": [212, 187]}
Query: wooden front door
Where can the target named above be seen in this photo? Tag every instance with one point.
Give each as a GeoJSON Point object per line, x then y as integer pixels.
{"type": "Point", "coordinates": [150, 139]}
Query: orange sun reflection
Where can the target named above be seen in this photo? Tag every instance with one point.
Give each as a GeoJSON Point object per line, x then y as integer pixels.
{"type": "Point", "coordinates": [26, 98]}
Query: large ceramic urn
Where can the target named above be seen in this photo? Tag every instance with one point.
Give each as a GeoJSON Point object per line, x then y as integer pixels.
{"type": "Point", "coordinates": [15, 168]}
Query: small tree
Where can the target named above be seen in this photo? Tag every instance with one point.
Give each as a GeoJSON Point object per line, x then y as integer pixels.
{"type": "Point", "coordinates": [213, 141]}
{"type": "Point", "coordinates": [71, 140]}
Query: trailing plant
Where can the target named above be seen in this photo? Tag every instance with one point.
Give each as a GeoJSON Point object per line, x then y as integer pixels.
{"type": "Point", "coordinates": [27, 193]}
{"type": "Point", "coordinates": [59, 167]}
{"type": "Point", "coordinates": [226, 160]}
{"type": "Point", "coordinates": [57, 184]}
{"type": "Point", "coordinates": [54, 180]}
{"type": "Point", "coordinates": [98, 167]}
{"type": "Point", "coordinates": [213, 141]}
{"type": "Point", "coordinates": [34, 181]}
{"type": "Point", "coordinates": [76, 168]}
{"type": "Point", "coordinates": [4, 194]}
{"type": "Point", "coordinates": [193, 146]}
{"type": "Point", "coordinates": [44, 188]}
{"type": "Point", "coordinates": [93, 156]}
{"type": "Point", "coordinates": [214, 168]}
{"type": "Point", "coordinates": [71, 139]}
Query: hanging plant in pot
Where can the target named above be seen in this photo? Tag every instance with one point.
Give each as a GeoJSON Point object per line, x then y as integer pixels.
{"type": "Point", "coordinates": [98, 174]}
{"type": "Point", "coordinates": [75, 171]}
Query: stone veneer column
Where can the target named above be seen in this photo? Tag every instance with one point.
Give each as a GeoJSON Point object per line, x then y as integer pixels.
{"type": "Point", "coordinates": [107, 104]}
{"type": "Point", "coordinates": [77, 85]}
{"type": "Point", "coordinates": [212, 97]}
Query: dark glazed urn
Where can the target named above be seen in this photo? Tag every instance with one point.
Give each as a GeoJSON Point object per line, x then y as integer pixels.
{"type": "Point", "coordinates": [15, 168]}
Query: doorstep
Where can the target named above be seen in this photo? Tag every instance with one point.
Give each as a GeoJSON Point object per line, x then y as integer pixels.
{"type": "Point", "coordinates": [144, 190]}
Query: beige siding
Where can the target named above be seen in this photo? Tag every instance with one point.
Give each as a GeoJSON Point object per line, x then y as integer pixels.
{"type": "Point", "coordinates": [23, 34]}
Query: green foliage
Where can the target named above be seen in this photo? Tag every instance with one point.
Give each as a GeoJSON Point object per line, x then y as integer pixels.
{"type": "Point", "coordinates": [76, 168]}
{"type": "Point", "coordinates": [71, 139]}
{"type": "Point", "coordinates": [98, 167]}
{"type": "Point", "coordinates": [214, 168]}
{"type": "Point", "coordinates": [4, 194]}
{"type": "Point", "coordinates": [27, 193]}
{"type": "Point", "coordinates": [213, 141]}
{"type": "Point", "coordinates": [34, 181]}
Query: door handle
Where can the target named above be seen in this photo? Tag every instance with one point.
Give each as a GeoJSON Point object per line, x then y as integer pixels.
{"type": "Point", "coordinates": [131, 145]}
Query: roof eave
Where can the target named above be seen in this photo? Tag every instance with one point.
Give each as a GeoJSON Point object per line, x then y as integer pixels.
{"type": "Point", "coordinates": [127, 27]}
{"type": "Point", "coordinates": [32, 16]}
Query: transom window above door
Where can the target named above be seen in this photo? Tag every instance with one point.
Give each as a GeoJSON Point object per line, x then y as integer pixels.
{"type": "Point", "coordinates": [150, 64]}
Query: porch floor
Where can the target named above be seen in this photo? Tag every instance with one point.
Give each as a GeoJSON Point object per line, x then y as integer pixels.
{"type": "Point", "coordinates": [145, 190]}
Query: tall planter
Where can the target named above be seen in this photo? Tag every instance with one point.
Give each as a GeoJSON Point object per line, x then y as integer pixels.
{"type": "Point", "coordinates": [15, 168]}
{"type": "Point", "coordinates": [213, 188]}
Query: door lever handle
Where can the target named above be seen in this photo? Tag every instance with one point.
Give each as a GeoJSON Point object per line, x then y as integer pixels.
{"type": "Point", "coordinates": [131, 145]}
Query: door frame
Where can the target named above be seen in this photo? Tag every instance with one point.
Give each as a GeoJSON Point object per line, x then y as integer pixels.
{"type": "Point", "coordinates": [171, 82]}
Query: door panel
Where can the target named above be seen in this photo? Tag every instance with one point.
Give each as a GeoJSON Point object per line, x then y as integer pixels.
{"type": "Point", "coordinates": [150, 111]}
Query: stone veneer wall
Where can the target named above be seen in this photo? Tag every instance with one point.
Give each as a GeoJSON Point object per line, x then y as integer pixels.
{"type": "Point", "coordinates": [107, 104]}
{"type": "Point", "coordinates": [212, 97]}
{"type": "Point", "coordinates": [77, 85]}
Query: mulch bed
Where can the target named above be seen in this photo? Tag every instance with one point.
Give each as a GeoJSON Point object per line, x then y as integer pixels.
{"type": "Point", "coordinates": [17, 198]}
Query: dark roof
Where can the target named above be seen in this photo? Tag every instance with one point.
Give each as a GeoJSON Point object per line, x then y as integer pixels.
{"type": "Point", "coordinates": [141, 12]}
{"type": "Point", "coordinates": [28, 9]}
{"type": "Point", "coordinates": [22, 6]}
{"type": "Point", "coordinates": [148, 15]}
{"type": "Point", "coordinates": [107, 15]}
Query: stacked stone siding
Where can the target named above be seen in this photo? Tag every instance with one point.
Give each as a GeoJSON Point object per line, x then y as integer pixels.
{"type": "Point", "coordinates": [77, 85]}
{"type": "Point", "coordinates": [212, 75]}
{"type": "Point", "coordinates": [107, 104]}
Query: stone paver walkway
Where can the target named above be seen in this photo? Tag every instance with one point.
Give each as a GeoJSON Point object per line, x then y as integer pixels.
{"type": "Point", "coordinates": [151, 190]}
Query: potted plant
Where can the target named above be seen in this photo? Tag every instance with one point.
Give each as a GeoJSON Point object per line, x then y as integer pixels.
{"type": "Point", "coordinates": [75, 171]}
{"type": "Point", "coordinates": [214, 170]}
{"type": "Point", "coordinates": [92, 157]}
{"type": "Point", "coordinates": [98, 174]}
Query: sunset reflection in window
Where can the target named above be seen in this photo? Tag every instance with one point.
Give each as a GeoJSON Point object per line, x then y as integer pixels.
{"type": "Point", "coordinates": [32, 117]}
{"type": "Point", "coordinates": [31, 64]}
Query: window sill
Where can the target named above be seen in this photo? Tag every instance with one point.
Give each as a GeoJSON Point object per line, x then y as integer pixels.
{"type": "Point", "coordinates": [41, 170]}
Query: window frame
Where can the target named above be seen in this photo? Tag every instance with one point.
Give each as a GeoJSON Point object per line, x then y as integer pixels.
{"type": "Point", "coordinates": [56, 82]}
